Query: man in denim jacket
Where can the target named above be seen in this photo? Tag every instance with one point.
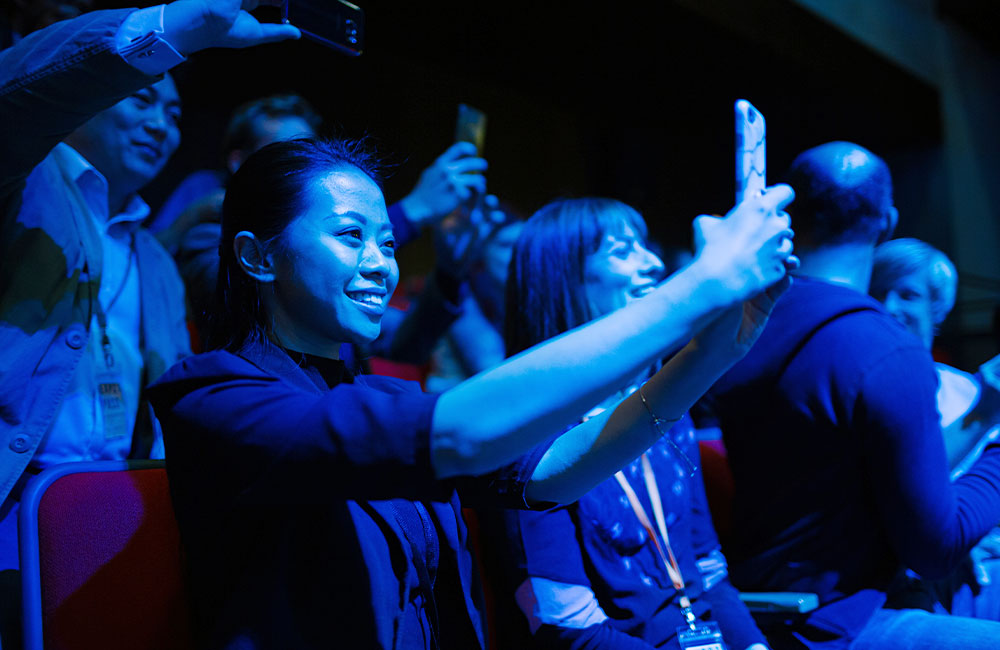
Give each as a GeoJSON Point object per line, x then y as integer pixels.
{"type": "Point", "coordinates": [91, 307]}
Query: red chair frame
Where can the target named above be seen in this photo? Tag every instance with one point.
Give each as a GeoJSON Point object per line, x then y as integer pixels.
{"type": "Point", "coordinates": [101, 562]}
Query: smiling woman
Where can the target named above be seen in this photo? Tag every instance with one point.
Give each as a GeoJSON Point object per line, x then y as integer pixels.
{"type": "Point", "coordinates": [591, 574]}
{"type": "Point", "coordinates": [307, 496]}
{"type": "Point", "coordinates": [584, 258]}
{"type": "Point", "coordinates": [335, 270]}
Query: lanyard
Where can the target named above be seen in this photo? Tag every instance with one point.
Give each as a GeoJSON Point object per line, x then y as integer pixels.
{"type": "Point", "coordinates": [102, 318]}
{"type": "Point", "coordinates": [669, 560]}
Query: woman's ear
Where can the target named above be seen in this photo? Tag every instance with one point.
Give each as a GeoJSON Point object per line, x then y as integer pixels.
{"type": "Point", "coordinates": [253, 259]}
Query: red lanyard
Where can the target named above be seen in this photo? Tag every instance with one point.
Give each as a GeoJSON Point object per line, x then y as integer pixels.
{"type": "Point", "coordinates": [667, 555]}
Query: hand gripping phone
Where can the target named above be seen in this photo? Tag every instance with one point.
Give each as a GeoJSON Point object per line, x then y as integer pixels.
{"type": "Point", "coordinates": [335, 23]}
{"type": "Point", "coordinates": [750, 159]}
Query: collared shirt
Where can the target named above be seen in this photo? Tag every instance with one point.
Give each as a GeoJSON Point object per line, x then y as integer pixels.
{"type": "Point", "coordinates": [83, 429]}
{"type": "Point", "coordinates": [79, 431]}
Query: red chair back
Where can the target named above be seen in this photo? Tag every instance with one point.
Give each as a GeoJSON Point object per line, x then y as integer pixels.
{"type": "Point", "coordinates": [101, 559]}
{"type": "Point", "coordinates": [719, 486]}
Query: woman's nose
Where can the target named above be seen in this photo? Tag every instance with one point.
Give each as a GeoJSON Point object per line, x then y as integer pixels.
{"type": "Point", "coordinates": [374, 262]}
{"type": "Point", "coordinates": [652, 264]}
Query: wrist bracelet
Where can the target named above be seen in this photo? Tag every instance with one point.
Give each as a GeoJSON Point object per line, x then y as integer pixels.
{"type": "Point", "coordinates": [657, 422]}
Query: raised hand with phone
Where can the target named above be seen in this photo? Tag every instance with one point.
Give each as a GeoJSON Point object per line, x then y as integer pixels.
{"type": "Point", "coordinates": [194, 25]}
{"type": "Point", "coordinates": [759, 212]}
{"type": "Point", "coordinates": [473, 222]}
{"type": "Point", "coordinates": [448, 183]}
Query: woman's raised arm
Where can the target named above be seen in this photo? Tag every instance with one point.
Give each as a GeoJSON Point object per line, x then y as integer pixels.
{"type": "Point", "coordinates": [496, 416]}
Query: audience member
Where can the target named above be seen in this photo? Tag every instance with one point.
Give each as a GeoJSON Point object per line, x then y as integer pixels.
{"type": "Point", "coordinates": [198, 198]}
{"type": "Point", "coordinates": [834, 440]}
{"type": "Point", "coordinates": [473, 343]}
{"type": "Point", "coordinates": [188, 224]}
{"type": "Point", "coordinates": [591, 574]}
{"type": "Point", "coordinates": [441, 195]}
{"type": "Point", "coordinates": [268, 436]}
{"type": "Point", "coordinates": [917, 284]}
{"type": "Point", "coordinates": [91, 307]}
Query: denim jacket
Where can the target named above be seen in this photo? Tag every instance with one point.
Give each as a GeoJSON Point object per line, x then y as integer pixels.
{"type": "Point", "coordinates": [50, 252]}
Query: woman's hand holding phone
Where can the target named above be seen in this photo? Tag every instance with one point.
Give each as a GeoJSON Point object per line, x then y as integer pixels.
{"type": "Point", "coordinates": [749, 249]}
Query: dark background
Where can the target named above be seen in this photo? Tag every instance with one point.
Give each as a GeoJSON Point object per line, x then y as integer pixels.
{"type": "Point", "coordinates": [632, 101]}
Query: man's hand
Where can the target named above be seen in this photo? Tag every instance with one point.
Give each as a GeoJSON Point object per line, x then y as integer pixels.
{"type": "Point", "coordinates": [194, 25]}
{"type": "Point", "coordinates": [460, 240]}
{"type": "Point", "coordinates": [447, 184]}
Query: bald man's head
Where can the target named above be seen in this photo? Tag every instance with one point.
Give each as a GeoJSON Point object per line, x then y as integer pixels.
{"type": "Point", "coordinates": [843, 193]}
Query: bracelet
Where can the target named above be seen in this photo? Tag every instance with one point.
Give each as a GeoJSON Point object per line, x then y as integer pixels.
{"type": "Point", "coordinates": [657, 421]}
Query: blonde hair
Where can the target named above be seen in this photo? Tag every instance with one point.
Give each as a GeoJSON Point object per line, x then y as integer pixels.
{"type": "Point", "coordinates": [905, 256]}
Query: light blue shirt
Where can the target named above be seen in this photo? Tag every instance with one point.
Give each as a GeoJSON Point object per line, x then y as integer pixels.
{"type": "Point", "coordinates": [82, 430]}
{"type": "Point", "coordinates": [79, 431]}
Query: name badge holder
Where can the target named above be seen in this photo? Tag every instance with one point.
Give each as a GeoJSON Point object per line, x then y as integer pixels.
{"type": "Point", "coordinates": [696, 635]}
{"type": "Point", "coordinates": [704, 636]}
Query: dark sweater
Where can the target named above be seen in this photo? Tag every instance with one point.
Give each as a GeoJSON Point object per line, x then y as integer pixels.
{"type": "Point", "coordinates": [839, 464]}
{"type": "Point", "coordinates": [308, 506]}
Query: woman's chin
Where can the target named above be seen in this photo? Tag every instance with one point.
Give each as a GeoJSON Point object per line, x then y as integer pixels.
{"type": "Point", "coordinates": [365, 335]}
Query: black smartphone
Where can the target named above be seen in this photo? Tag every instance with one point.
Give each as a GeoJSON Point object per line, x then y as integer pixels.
{"type": "Point", "coordinates": [334, 23]}
{"type": "Point", "coordinates": [750, 158]}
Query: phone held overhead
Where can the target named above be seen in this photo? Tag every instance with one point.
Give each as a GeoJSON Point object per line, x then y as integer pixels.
{"type": "Point", "coordinates": [471, 127]}
{"type": "Point", "coordinates": [750, 159]}
{"type": "Point", "coordinates": [334, 23]}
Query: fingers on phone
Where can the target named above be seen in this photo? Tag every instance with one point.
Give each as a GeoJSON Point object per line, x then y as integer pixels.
{"type": "Point", "coordinates": [468, 183]}
{"type": "Point", "coordinates": [274, 32]}
{"type": "Point", "coordinates": [777, 197]}
{"type": "Point", "coordinates": [460, 149]}
{"type": "Point", "coordinates": [469, 165]}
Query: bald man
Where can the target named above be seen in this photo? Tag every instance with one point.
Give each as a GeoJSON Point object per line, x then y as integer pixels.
{"type": "Point", "coordinates": [834, 439]}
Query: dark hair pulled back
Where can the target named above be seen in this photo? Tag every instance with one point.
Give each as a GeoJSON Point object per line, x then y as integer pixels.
{"type": "Point", "coordinates": [265, 194]}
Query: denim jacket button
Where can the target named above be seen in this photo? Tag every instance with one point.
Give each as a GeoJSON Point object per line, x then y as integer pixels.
{"type": "Point", "coordinates": [19, 444]}
{"type": "Point", "coordinates": [76, 339]}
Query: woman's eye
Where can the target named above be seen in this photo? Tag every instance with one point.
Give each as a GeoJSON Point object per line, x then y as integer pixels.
{"type": "Point", "coordinates": [143, 99]}
{"type": "Point", "coordinates": [353, 233]}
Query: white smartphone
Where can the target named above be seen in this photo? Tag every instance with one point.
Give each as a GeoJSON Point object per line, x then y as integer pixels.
{"type": "Point", "coordinates": [750, 158]}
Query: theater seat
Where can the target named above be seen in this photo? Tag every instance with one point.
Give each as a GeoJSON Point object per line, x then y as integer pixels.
{"type": "Point", "coordinates": [101, 559]}
{"type": "Point", "coordinates": [719, 486]}
{"type": "Point", "coordinates": [766, 607]}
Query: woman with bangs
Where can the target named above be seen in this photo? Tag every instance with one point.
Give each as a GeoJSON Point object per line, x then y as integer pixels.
{"type": "Point", "coordinates": [634, 562]}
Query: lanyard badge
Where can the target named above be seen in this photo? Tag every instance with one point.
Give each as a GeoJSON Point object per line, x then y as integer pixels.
{"type": "Point", "coordinates": [696, 635]}
{"type": "Point", "coordinates": [704, 636]}
{"type": "Point", "coordinates": [109, 378]}
{"type": "Point", "coordinates": [109, 392]}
